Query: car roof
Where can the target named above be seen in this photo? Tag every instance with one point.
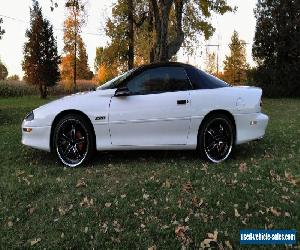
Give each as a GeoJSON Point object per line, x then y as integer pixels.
{"type": "Point", "coordinates": [162, 64]}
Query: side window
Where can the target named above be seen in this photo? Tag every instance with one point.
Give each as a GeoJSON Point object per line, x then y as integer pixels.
{"type": "Point", "coordinates": [161, 79]}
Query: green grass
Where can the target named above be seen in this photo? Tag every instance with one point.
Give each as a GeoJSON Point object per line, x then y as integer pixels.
{"type": "Point", "coordinates": [138, 199]}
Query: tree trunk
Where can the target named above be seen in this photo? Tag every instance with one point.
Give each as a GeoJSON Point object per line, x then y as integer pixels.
{"type": "Point", "coordinates": [150, 31]}
{"type": "Point", "coordinates": [163, 49]}
{"type": "Point", "coordinates": [130, 35]}
{"type": "Point", "coordinates": [43, 90]}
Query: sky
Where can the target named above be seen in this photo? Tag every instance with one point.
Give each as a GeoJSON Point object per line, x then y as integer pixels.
{"type": "Point", "coordinates": [15, 14]}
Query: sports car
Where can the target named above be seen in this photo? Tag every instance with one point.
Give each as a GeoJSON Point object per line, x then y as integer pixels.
{"type": "Point", "coordinates": [162, 106]}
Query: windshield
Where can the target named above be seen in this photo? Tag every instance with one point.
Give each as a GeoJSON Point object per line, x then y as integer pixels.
{"type": "Point", "coordinates": [113, 83]}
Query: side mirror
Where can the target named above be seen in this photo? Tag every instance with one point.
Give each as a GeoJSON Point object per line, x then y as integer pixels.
{"type": "Point", "coordinates": [124, 91]}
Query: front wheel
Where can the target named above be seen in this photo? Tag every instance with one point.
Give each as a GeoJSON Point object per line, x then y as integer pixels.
{"type": "Point", "coordinates": [216, 138]}
{"type": "Point", "coordinates": [73, 140]}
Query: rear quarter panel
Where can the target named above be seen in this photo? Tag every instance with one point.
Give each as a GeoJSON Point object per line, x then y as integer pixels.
{"type": "Point", "coordinates": [236, 100]}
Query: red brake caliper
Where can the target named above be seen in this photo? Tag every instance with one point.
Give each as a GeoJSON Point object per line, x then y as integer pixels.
{"type": "Point", "coordinates": [78, 136]}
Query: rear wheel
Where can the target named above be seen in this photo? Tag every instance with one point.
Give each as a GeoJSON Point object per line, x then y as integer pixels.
{"type": "Point", "coordinates": [73, 140]}
{"type": "Point", "coordinates": [216, 138]}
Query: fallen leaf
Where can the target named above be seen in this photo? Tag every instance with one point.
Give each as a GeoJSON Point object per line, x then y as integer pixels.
{"type": "Point", "coordinates": [19, 173]}
{"type": "Point", "coordinates": [167, 184]}
{"type": "Point", "coordinates": [213, 236]}
{"type": "Point", "coordinates": [152, 248]}
{"type": "Point", "coordinates": [247, 206]}
{"type": "Point", "coordinates": [86, 202]}
{"type": "Point", "coordinates": [35, 241]}
{"type": "Point", "coordinates": [236, 213]}
{"type": "Point", "coordinates": [10, 224]}
{"type": "Point", "coordinates": [123, 196]}
{"type": "Point", "coordinates": [227, 243]}
{"type": "Point", "coordinates": [275, 212]}
{"type": "Point", "coordinates": [107, 204]}
{"type": "Point", "coordinates": [243, 167]}
{"type": "Point", "coordinates": [81, 183]}
{"type": "Point", "coordinates": [31, 210]}
{"type": "Point", "coordinates": [146, 196]}
{"type": "Point", "coordinates": [187, 187]}
{"type": "Point", "coordinates": [180, 231]}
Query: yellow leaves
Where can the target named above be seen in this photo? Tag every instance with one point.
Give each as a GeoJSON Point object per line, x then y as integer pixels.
{"type": "Point", "coordinates": [35, 241]}
{"type": "Point", "coordinates": [66, 68]}
{"type": "Point", "coordinates": [105, 73]}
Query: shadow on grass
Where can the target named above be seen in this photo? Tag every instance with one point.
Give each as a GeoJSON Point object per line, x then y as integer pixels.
{"type": "Point", "coordinates": [241, 153]}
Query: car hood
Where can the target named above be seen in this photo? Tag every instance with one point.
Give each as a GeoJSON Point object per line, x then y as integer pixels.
{"type": "Point", "coordinates": [87, 102]}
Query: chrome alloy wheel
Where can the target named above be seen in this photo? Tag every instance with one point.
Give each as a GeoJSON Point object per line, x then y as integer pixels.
{"type": "Point", "coordinates": [218, 139]}
{"type": "Point", "coordinates": [72, 142]}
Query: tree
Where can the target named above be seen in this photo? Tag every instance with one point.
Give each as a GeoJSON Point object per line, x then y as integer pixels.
{"type": "Point", "coordinates": [74, 45]}
{"type": "Point", "coordinates": [160, 28]}
{"type": "Point", "coordinates": [276, 47]}
{"type": "Point", "coordinates": [106, 64]}
{"type": "Point", "coordinates": [41, 59]}
{"type": "Point", "coordinates": [235, 65]}
{"type": "Point", "coordinates": [211, 63]}
{"type": "Point", "coordinates": [2, 31]}
{"type": "Point", "coordinates": [3, 71]}
{"type": "Point", "coordinates": [13, 78]}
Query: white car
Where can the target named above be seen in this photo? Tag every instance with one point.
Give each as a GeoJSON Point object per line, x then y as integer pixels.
{"type": "Point", "coordinates": [169, 106]}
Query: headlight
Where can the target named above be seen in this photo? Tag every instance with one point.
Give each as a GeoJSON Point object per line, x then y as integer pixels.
{"type": "Point", "coordinates": [29, 116]}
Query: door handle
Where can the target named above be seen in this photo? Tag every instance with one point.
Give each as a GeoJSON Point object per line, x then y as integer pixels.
{"type": "Point", "coordinates": [181, 102]}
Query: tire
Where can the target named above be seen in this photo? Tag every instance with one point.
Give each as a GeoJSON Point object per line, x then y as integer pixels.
{"type": "Point", "coordinates": [73, 140]}
{"type": "Point", "coordinates": [216, 138]}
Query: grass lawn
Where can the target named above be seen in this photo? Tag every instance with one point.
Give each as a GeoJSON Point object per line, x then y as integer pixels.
{"type": "Point", "coordinates": [163, 200]}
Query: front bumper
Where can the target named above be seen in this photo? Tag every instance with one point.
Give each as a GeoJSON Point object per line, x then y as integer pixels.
{"type": "Point", "coordinates": [250, 126]}
{"type": "Point", "coordinates": [36, 137]}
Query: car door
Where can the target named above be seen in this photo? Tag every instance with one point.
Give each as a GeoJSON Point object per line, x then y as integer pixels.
{"type": "Point", "coordinates": [157, 111]}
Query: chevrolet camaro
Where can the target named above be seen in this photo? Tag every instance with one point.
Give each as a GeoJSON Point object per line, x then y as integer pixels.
{"type": "Point", "coordinates": [166, 106]}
